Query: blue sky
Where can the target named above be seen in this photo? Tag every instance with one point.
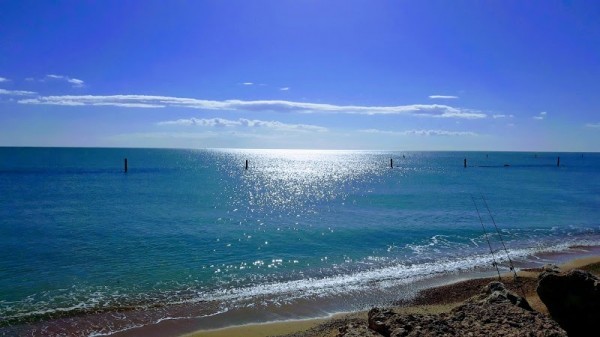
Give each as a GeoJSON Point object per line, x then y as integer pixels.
{"type": "Point", "coordinates": [394, 75]}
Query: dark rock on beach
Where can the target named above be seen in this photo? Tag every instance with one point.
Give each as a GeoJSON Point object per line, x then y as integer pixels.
{"type": "Point", "coordinates": [494, 312]}
{"type": "Point", "coordinates": [572, 299]}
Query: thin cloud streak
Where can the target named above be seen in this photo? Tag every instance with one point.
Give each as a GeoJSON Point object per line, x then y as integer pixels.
{"type": "Point", "coordinates": [77, 83]}
{"type": "Point", "coordinates": [443, 97]}
{"type": "Point", "coordinates": [16, 92]}
{"type": "Point", "coordinates": [243, 123]}
{"type": "Point", "coordinates": [593, 125]}
{"type": "Point", "coordinates": [421, 132]}
{"type": "Point", "coordinates": [141, 101]}
{"type": "Point", "coordinates": [167, 135]}
{"type": "Point", "coordinates": [4, 79]}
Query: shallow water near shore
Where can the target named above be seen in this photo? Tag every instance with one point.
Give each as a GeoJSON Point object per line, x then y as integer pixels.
{"type": "Point", "coordinates": [87, 250]}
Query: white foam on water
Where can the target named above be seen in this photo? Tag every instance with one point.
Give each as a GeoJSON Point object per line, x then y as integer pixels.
{"type": "Point", "coordinates": [378, 278]}
{"type": "Point", "coordinates": [162, 319]}
{"type": "Point", "coordinates": [311, 288]}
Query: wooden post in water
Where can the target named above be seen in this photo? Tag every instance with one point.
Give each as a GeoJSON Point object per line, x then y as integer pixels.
{"type": "Point", "coordinates": [391, 163]}
{"type": "Point", "coordinates": [558, 162]}
{"type": "Point", "coordinates": [465, 163]}
{"type": "Point", "coordinates": [246, 164]}
{"type": "Point", "coordinates": [125, 165]}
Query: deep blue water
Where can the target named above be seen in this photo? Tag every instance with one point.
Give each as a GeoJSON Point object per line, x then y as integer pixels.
{"type": "Point", "coordinates": [183, 226]}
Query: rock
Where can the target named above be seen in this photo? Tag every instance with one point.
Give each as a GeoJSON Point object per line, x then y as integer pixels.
{"type": "Point", "coordinates": [495, 292]}
{"type": "Point", "coordinates": [550, 268]}
{"type": "Point", "coordinates": [573, 299]}
{"type": "Point", "coordinates": [357, 330]}
{"type": "Point", "coordinates": [494, 312]}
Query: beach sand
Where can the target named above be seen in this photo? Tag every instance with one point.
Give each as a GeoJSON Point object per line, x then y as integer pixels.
{"type": "Point", "coordinates": [433, 300]}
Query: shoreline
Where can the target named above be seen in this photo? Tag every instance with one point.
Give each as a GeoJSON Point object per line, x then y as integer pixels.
{"type": "Point", "coordinates": [441, 302]}
{"type": "Point", "coordinates": [307, 313]}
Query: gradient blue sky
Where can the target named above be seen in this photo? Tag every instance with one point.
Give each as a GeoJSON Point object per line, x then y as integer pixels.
{"type": "Point", "coordinates": [394, 75]}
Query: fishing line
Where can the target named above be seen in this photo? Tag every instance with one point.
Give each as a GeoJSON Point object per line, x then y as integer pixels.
{"type": "Point", "coordinates": [495, 264]}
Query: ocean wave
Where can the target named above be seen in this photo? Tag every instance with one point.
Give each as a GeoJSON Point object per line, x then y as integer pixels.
{"type": "Point", "coordinates": [164, 304]}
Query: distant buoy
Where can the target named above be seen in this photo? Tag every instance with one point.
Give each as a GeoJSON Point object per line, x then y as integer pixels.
{"type": "Point", "coordinates": [246, 164]}
{"type": "Point", "coordinates": [125, 167]}
{"type": "Point", "coordinates": [465, 162]}
{"type": "Point", "coordinates": [558, 162]}
{"type": "Point", "coordinates": [391, 163]}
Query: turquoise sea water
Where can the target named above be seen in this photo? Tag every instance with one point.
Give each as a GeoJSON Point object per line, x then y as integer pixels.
{"type": "Point", "coordinates": [191, 233]}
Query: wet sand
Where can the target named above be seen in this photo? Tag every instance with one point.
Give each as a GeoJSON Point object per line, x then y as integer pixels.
{"type": "Point", "coordinates": [433, 300]}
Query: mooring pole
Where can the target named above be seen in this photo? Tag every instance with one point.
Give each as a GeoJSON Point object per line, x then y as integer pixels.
{"type": "Point", "coordinates": [391, 163]}
{"type": "Point", "coordinates": [465, 163]}
{"type": "Point", "coordinates": [125, 165]}
{"type": "Point", "coordinates": [246, 164]}
{"type": "Point", "coordinates": [558, 162]}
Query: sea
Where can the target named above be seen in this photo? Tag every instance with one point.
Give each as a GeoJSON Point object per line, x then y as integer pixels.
{"type": "Point", "coordinates": [194, 239]}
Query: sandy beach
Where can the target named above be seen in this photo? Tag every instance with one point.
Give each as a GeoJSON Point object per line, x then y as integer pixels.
{"type": "Point", "coordinates": [433, 300]}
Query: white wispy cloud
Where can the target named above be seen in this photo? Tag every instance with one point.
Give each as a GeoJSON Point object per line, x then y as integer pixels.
{"type": "Point", "coordinates": [284, 89]}
{"type": "Point", "coordinates": [129, 105]}
{"type": "Point", "coordinates": [247, 83]}
{"type": "Point", "coordinates": [421, 132]}
{"type": "Point", "coordinates": [502, 116]}
{"type": "Point", "coordinates": [4, 79]}
{"type": "Point", "coordinates": [541, 116]}
{"type": "Point", "coordinates": [443, 97]}
{"type": "Point", "coordinates": [77, 83]}
{"type": "Point", "coordinates": [244, 123]}
{"type": "Point", "coordinates": [16, 92]}
{"type": "Point", "coordinates": [166, 135]}
{"type": "Point", "coordinates": [146, 101]}
{"type": "Point", "coordinates": [593, 125]}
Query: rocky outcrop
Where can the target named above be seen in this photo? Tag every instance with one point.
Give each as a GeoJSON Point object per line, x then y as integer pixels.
{"type": "Point", "coordinates": [495, 292]}
{"type": "Point", "coordinates": [572, 299]}
{"type": "Point", "coordinates": [494, 312]}
{"type": "Point", "coordinates": [357, 330]}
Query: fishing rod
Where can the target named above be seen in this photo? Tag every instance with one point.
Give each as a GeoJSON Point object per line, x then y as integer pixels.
{"type": "Point", "coordinates": [510, 262]}
{"type": "Point", "coordinates": [516, 280]}
{"type": "Point", "coordinates": [487, 239]}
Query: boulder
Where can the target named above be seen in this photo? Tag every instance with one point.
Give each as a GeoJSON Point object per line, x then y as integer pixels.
{"type": "Point", "coordinates": [494, 312]}
{"type": "Point", "coordinates": [495, 292]}
{"type": "Point", "coordinates": [572, 299]}
{"type": "Point", "coordinates": [357, 330]}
